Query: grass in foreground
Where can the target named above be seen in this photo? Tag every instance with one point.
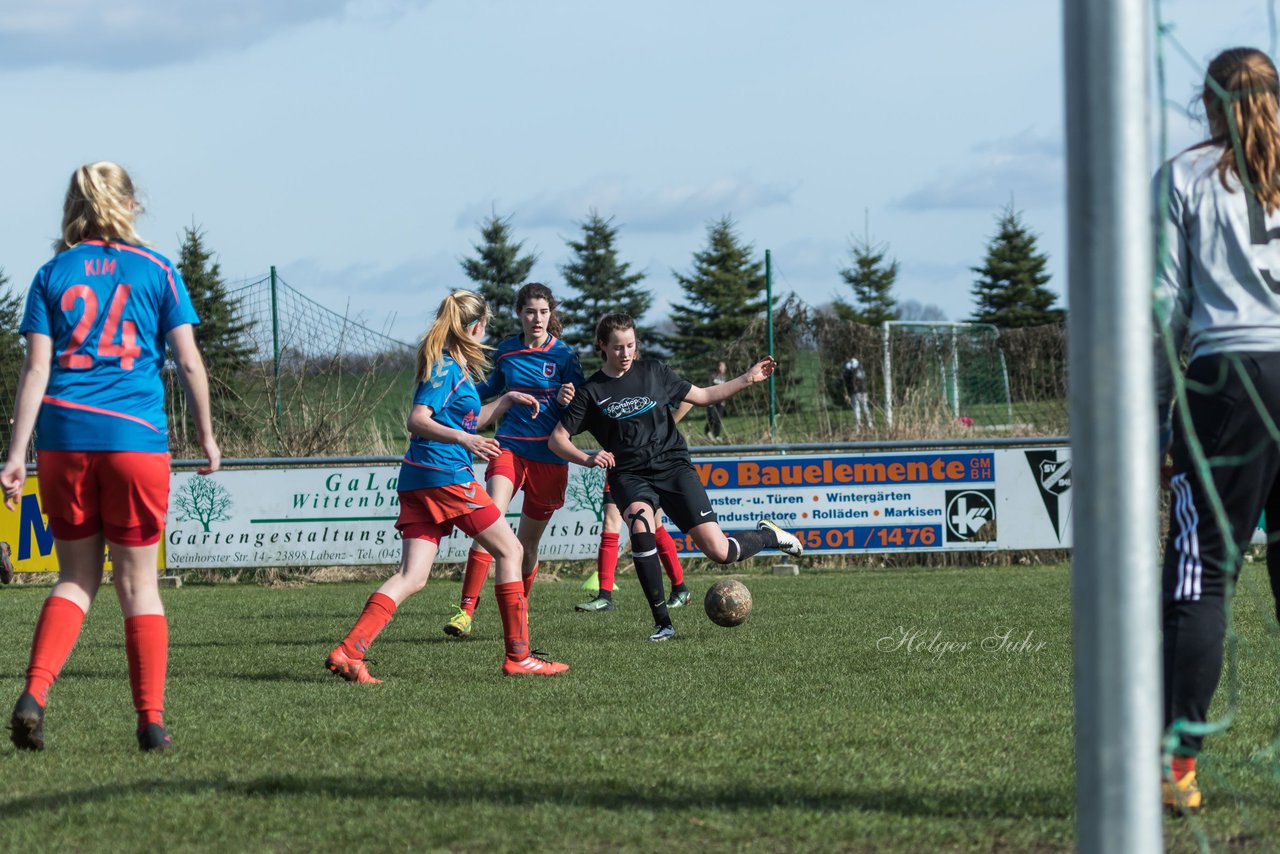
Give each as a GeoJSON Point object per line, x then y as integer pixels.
{"type": "Point", "coordinates": [897, 710]}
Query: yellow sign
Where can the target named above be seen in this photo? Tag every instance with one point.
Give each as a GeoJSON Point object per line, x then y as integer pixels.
{"type": "Point", "coordinates": [27, 533]}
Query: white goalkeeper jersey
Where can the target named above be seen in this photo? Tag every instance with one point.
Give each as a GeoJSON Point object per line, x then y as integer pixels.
{"type": "Point", "coordinates": [1220, 277]}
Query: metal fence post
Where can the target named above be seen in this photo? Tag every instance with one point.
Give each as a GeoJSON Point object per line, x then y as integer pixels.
{"type": "Point", "coordinates": [275, 342]}
{"type": "Point", "coordinates": [768, 290]}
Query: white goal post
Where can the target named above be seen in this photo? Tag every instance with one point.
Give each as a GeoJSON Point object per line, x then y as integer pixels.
{"type": "Point", "coordinates": [948, 368]}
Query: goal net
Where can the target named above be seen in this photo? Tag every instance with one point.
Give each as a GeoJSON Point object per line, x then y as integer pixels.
{"type": "Point", "coordinates": [937, 372]}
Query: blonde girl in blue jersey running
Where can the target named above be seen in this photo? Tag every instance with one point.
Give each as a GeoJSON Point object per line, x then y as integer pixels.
{"type": "Point", "coordinates": [97, 319]}
{"type": "Point", "coordinates": [438, 490]}
{"type": "Point", "coordinates": [538, 363]}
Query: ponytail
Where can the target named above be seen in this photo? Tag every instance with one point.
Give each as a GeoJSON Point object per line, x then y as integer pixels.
{"type": "Point", "coordinates": [458, 313]}
{"type": "Point", "coordinates": [100, 204]}
{"type": "Point", "coordinates": [1240, 97]}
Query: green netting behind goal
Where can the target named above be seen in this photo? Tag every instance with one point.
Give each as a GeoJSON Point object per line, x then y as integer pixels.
{"type": "Point", "coordinates": [935, 372]}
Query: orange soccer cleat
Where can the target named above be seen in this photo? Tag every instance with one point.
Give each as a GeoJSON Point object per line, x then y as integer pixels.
{"type": "Point", "coordinates": [350, 669]}
{"type": "Point", "coordinates": [532, 664]}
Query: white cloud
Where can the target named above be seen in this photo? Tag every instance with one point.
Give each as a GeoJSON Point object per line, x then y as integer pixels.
{"type": "Point", "coordinates": [130, 34]}
{"type": "Point", "coordinates": [667, 209]}
{"type": "Point", "coordinates": [398, 300]}
{"type": "Point", "coordinates": [1028, 168]}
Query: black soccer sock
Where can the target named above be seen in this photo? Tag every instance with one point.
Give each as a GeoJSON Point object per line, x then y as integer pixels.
{"type": "Point", "coordinates": [644, 551]}
{"type": "Point", "coordinates": [745, 544]}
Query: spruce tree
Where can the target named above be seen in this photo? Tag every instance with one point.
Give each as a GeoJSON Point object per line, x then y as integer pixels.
{"type": "Point", "coordinates": [498, 271]}
{"type": "Point", "coordinates": [600, 284]}
{"type": "Point", "coordinates": [12, 351]}
{"type": "Point", "coordinates": [723, 293]}
{"type": "Point", "coordinates": [223, 332]}
{"type": "Point", "coordinates": [872, 278]}
{"type": "Point", "coordinates": [1010, 290]}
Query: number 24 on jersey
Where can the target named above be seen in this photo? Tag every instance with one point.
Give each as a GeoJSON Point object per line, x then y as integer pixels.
{"type": "Point", "coordinates": [127, 350]}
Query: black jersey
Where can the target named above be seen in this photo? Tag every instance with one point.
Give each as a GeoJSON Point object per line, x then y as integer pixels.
{"type": "Point", "coordinates": [632, 416]}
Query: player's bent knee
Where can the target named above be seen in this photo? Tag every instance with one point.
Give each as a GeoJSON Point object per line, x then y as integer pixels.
{"type": "Point", "coordinates": [643, 543]}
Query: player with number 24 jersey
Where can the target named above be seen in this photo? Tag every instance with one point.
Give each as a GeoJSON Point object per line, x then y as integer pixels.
{"type": "Point", "coordinates": [107, 308]}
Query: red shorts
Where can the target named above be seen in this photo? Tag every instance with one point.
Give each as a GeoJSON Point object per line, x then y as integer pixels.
{"type": "Point", "coordinates": [432, 513]}
{"type": "Point", "coordinates": [122, 494]}
{"type": "Point", "coordinates": [543, 483]}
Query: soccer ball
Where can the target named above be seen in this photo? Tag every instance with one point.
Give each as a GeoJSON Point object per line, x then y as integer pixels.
{"type": "Point", "coordinates": [728, 602]}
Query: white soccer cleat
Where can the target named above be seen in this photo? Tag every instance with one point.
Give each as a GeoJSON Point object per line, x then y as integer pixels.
{"type": "Point", "coordinates": [788, 543]}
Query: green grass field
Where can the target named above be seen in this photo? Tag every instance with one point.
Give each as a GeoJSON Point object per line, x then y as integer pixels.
{"type": "Point", "coordinates": [811, 728]}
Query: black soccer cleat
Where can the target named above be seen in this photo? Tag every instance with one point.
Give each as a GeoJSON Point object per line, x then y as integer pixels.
{"type": "Point", "coordinates": [26, 727]}
{"type": "Point", "coordinates": [154, 738]}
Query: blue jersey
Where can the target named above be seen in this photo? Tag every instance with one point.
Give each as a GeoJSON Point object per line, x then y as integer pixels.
{"type": "Point", "coordinates": [538, 371]}
{"type": "Point", "coordinates": [107, 308]}
{"type": "Point", "coordinates": [452, 397]}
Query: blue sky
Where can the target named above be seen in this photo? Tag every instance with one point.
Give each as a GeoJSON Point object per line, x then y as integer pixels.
{"type": "Point", "coordinates": [357, 144]}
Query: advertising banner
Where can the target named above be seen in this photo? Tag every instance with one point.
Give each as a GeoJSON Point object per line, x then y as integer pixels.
{"type": "Point", "coordinates": [337, 516]}
{"type": "Point", "coordinates": [843, 503]}
{"type": "Point", "coordinates": [931, 501]}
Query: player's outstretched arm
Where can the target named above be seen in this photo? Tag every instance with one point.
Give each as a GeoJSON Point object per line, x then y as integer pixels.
{"type": "Point", "coordinates": [562, 446]}
{"type": "Point", "coordinates": [195, 382]}
{"type": "Point", "coordinates": [32, 384]}
{"type": "Point", "coordinates": [759, 372]}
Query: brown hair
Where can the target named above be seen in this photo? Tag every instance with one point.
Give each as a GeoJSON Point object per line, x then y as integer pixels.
{"type": "Point", "coordinates": [458, 312]}
{"type": "Point", "coordinates": [1240, 98]}
{"type": "Point", "coordinates": [100, 205]}
{"type": "Point", "coordinates": [610, 324]}
{"type": "Point", "coordinates": [537, 290]}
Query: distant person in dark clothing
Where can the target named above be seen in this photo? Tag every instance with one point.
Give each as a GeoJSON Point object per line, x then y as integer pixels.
{"type": "Point", "coordinates": [855, 392]}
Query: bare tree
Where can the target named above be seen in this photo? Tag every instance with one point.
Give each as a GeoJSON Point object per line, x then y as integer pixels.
{"type": "Point", "coordinates": [586, 490]}
{"type": "Point", "coordinates": [203, 500]}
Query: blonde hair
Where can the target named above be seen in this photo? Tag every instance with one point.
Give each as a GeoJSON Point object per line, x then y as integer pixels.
{"type": "Point", "coordinates": [458, 312]}
{"type": "Point", "coordinates": [100, 204]}
{"type": "Point", "coordinates": [1240, 98]}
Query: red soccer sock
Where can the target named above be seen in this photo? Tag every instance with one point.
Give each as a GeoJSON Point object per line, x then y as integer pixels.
{"type": "Point", "coordinates": [1182, 765]}
{"type": "Point", "coordinates": [669, 555]}
{"type": "Point", "coordinates": [473, 577]}
{"type": "Point", "coordinates": [607, 560]}
{"type": "Point", "coordinates": [515, 619]}
{"type": "Point", "coordinates": [528, 581]}
{"type": "Point", "coordinates": [373, 619]}
{"type": "Point", "coordinates": [146, 643]}
{"type": "Point", "coordinates": [56, 633]}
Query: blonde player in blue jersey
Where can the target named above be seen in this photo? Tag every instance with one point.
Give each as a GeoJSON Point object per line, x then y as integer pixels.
{"type": "Point", "coordinates": [438, 489]}
{"type": "Point", "coordinates": [97, 319]}
{"type": "Point", "coordinates": [539, 363]}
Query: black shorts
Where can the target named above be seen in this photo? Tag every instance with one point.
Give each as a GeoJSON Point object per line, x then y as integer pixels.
{"type": "Point", "coordinates": [676, 489]}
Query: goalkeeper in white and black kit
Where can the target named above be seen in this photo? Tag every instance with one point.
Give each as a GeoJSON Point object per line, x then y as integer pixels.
{"type": "Point", "coordinates": [1221, 281]}
{"type": "Point", "coordinates": [627, 406]}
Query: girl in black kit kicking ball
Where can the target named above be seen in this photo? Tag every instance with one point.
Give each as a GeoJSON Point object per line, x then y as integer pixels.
{"type": "Point", "coordinates": [627, 406]}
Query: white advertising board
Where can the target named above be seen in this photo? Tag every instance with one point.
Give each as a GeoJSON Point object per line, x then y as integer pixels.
{"type": "Point", "coordinates": [845, 503]}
